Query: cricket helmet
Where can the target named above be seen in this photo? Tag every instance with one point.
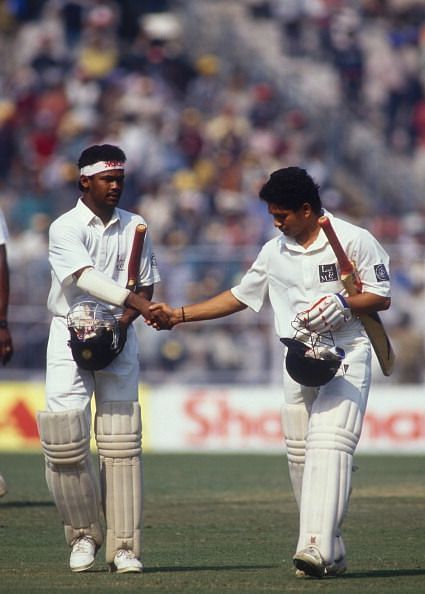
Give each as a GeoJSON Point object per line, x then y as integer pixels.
{"type": "Point", "coordinates": [95, 338]}
{"type": "Point", "coordinates": [312, 359]}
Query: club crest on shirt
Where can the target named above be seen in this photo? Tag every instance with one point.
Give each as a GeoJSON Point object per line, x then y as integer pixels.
{"type": "Point", "coordinates": [328, 273]}
{"type": "Point", "coordinates": [381, 273]}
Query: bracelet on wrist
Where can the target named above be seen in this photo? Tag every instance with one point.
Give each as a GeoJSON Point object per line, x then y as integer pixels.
{"type": "Point", "coordinates": [3, 324]}
{"type": "Point", "coordinates": [183, 314]}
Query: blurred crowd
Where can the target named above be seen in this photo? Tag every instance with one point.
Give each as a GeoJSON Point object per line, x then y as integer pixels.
{"type": "Point", "coordinates": [201, 133]}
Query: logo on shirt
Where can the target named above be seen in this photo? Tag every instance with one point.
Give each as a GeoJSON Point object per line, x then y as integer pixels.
{"type": "Point", "coordinates": [120, 263]}
{"type": "Point", "coordinates": [328, 273]}
{"type": "Point", "coordinates": [381, 273]}
{"type": "Point", "coordinates": [154, 263]}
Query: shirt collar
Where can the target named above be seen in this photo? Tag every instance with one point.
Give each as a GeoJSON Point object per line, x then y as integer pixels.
{"type": "Point", "coordinates": [88, 215]}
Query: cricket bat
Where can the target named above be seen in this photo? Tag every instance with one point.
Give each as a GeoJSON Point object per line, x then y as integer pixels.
{"type": "Point", "coordinates": [135, 255]}
{"type": "Point", "coordinates": [371, 321]}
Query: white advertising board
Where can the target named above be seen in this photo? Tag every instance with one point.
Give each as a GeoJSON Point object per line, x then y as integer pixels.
{"type": "Point", "coordinates": [225, 419]}
{"type": "Point", "coordinates": [243, 419]}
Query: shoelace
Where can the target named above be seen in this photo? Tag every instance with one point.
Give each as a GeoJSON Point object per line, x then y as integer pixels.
{"type": "Point", "coordinates": [125, 553]}
{"type": "Point", "coordinates": [83, 545]}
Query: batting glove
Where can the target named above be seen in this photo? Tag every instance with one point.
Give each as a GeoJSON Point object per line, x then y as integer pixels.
{"type": "Point", "coordinates": [327, 313]}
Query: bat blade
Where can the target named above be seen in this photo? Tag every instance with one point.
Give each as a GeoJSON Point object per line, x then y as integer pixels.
{"type": "Point", "coordinates": [371, 321]}
{"type": "Point", "coordinates": [375, 330]}
{"type": "Point", "coordinates": [135, 255]}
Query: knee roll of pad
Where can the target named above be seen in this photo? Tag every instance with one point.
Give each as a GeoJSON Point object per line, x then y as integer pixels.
{"type": "Point", "coordinates": [295, 425]}
{"type": "Point", "coordinates": [336, 429]}
{"type": "Point", "coordinates": [64, 437]}
{"type": "Point", "coordinates": [118, 429]}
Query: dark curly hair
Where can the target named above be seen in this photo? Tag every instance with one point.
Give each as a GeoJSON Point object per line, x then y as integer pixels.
{"type": "Point", "coordinates": [101, 152]}
{"type": "Point", "coordinates": [290, 188]}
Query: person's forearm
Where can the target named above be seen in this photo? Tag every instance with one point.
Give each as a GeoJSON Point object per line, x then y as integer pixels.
{"type": "Point", "coordinates": [367, 303]}
{"type": "Point", "coordinates": [164, 317]}
{"type": "Point", "coordinates": [135, 305]}
{"type": "Point", "coordinates": [217, 307]}
{"type": "Point", "coordinates": [130, 313]}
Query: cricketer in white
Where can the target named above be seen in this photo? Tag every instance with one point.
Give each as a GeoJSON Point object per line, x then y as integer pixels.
{"type": "Point", "coordinates": [6, 345]}
{"type": "Point", "coordinates": [321, 425]}
{"type": "Point", "coordinates": [89, 250]}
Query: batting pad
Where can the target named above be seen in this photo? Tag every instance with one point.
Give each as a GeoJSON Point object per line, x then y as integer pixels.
{"type": "Point", "coordinates": [331, 440]}
{"type": "Point", "coordinates": [118, 429]}
{"type": "Point", "coordinates": [295, 425]}
{"type": "Point", "coordinates": [70, 476]}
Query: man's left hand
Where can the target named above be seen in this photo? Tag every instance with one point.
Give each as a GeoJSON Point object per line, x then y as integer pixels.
{"type": "Point", "coordinates": [327, 313]}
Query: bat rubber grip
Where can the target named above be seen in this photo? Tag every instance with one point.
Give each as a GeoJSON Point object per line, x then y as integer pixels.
{"type": "Point", "coordinates": [136, 252]}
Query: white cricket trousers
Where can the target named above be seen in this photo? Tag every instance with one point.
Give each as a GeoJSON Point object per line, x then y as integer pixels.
{"type": "Point", "coordinates": [333, 421]}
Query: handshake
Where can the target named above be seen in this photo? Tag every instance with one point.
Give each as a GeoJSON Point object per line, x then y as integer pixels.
{"type": "Point", "coordinates": [163, 317]}
{"type": "Point", "coordinates": [158, 315]}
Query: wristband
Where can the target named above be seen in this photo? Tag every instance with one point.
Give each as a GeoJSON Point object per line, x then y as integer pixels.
{"type": "Point", "coordinates": [3, 324]}
{"type": "Point", "coordinates": [342, 300]}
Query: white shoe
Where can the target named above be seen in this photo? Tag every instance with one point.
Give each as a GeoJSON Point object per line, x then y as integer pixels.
{"type": "Point", "coordinates": [338, 567]}
{"type": "Point", "coordinates": [82, 554]}
{"type": "Point", "coordinates": [3, 486]}
{"type": "Point", "coordinates": [310, 561]}
{"type": "Point", "coordinates": [125, 561]}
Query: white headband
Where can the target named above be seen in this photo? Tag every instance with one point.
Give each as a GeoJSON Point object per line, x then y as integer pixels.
{"type": "Point", "coordinates": [101, 166]}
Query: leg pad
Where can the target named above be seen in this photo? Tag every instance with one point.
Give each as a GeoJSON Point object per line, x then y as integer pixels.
{"type": "Point", "coordinates": [70, 476]}
{"type": "Point", "coordinates": [118, 435]}
{"type": "Point", "coordinates": [295, 426]}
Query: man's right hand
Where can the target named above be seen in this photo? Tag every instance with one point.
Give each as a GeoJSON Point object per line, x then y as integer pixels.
{"type": "Point", "coordinates": [163, 317]}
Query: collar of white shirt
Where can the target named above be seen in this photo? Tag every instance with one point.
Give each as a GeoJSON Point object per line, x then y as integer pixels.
{"type": "Point", "coordinates": [88, 215]}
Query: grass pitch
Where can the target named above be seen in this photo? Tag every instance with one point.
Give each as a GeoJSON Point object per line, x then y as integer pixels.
{"type": "Point", "coordinates": [222, 524]}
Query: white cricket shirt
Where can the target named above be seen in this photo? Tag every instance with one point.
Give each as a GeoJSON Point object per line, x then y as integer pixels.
{"type": "Point", "coordinates": [4, 232]}
{"type": "Point", "coordinates": [294, 276]}
{"type": "Point", "coordinates": [78, 238]}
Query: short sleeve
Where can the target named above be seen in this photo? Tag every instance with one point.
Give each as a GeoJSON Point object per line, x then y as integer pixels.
{"type": "Point", "coordinates": [254, 284]}
{"type": "Point", "coordinates": [4, 232]}
{"type": "Point", "coordinates": [372, 263]}
{"type": "Point", "coordinates": [67, 252]}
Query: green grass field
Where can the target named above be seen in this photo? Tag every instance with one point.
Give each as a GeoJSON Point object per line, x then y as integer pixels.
{"type": "Point", "coordinates": [222, 524]}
